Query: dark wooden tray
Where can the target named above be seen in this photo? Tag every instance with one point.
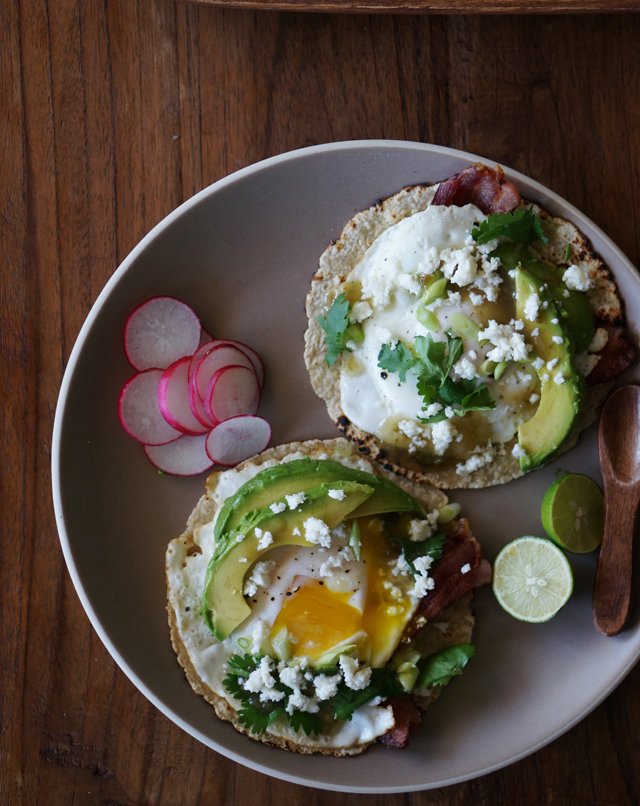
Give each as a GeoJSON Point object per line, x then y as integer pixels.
{"type": "Point", "coordinates": [435, 6]}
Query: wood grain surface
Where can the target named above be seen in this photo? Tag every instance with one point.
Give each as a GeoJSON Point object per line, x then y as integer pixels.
{"type": "Point", "coordinates": [113, 113]}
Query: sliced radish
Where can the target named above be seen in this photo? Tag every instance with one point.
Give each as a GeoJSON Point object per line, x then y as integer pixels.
{"type": "Point", "coordinates": [253, 357]}
{"type": "Point", "coordinates": [232, 391]}
{"type": "Point", "coordinates": [173, 399]}
{"type": "Point", "coordinates": [160, 331]}
{"type": "Point", "coordinates": [221, 355]}
{"type": "Point", "coordinates": [197, 406]}
{"type": "Point", "coordinates": [237, 439]}
{"type": "Point", "coordinates": [184, 457]}
{"type": "Point", "coordinates": [139, 412]}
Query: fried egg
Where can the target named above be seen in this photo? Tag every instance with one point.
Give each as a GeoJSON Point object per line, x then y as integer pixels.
{"type": "Point", "coordinates": [386, 289]}
{"type": "Point", "coordinates": [310, 605]}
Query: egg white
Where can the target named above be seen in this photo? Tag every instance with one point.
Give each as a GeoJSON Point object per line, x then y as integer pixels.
{"type": "Point", "coordinates": [375, 401]}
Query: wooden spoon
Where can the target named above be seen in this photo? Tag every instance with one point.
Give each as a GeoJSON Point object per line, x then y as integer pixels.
{"type": "Point", "coordinates": [619, 446]}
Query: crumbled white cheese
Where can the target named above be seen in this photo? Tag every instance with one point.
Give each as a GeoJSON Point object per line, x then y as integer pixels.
{"type": "Point", "coordinates": [532, 307]}
{"type": "Point", "coordinates": [518, 451]}
{"type": "Point", "coordinates": [317, 531]}
{"type": "Point", "coordinates": [577, 278]}
{"type": "Point", "coordinates": [537, 363]}
{"type": "Point", "coordinates": [454, 298]}
{"type": "Point", "coordinates": [337, 495]}
{"type": "Point", "coordinates": [509, 345]}
{"type": "Point", "coordinates": [262, 681]}
{"type": "Point", "coordinates": [410, 283]}
{"type": "Point", "coordinates": [335, 562]}
{"type": "Point", "coordinates": [476, 299]}
{"type": "Point", "coordinates": [259, 578]}
{"type": "Point", "coordinates": [326, 686]}
{"type": "Point", "coordinates": [535, 332]}
{"type": "Point", "coordinates": [265, 539]}
{"type": "Point", "coordinates": [557, 339]}
{"type": "Point", "coordinates": [295, 499]}
{"type": "Point", "coordinates": [300, 702]}
{"type": "Point", "coordinates": [296, 531]}
{"type": "Point", "coordinates": [361, 311]}
{"type": "Point", "coordinates": [558, 378]}
{"type": "Point", "coordinates": [400, 566]}
{"type": "Point", "coordinates": [291, 676]}
{"type": "Point", "coordinates": [442, 435]}
{"type": "Point", "coordinates": [430, 262]}
{"type": "Point", "coordinates": [551, 364]}
{"type": "Point", "coordinates": [422, 528]}
{"type": "Point", "coordinates": [416, 433]}
{"type": "Point", "coordinates": [534, 398]}
{"type": "Point", "coordinates": [479, 458]}
{"type": "Point", "coordinates": [459, 265]}
{"type": "Point", "coordinates": [259, 633]}
{"type": "Point", "coordinates": [354, 677]}
{"type": "Point", "coordinates": [465, 568]}
{"type": "Point", "coordinates": [465, 369]}
{"type": "Point", "coordinates": [277, 507]}
{"type": "Point", "coordinates": [432, 409]}
{"type": "Point", "coordinates": [423, 583]}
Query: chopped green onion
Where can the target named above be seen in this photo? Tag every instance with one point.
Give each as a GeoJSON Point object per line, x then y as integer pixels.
{"type": "Point", "coordinates": [464, 327]}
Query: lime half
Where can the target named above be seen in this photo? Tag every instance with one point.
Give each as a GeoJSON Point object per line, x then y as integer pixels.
{"type": "Point", "coordinates": [572, 513]}
{"type": "Point", "coordinates": [532, 579]}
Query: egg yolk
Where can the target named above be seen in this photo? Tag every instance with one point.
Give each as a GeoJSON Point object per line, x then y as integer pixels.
{"type": "Point", "coordinates": [319, 618]}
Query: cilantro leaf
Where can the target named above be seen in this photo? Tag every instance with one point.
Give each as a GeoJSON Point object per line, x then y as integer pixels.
{"type": "Point", "coordinates": [438, 669]}
{"type": "Point", "coordinates": [411, 550]}
{"type": "Point", "coordinates": [522, 226]}
{"type": "Point", "coordinates": [309, 723]}
{"type": "Point", "coordinates": [396, 358]}
{"type": "Point", "coordinates": [335, 324]}
{"type": "Point", "coordinates": [432, 355]}
{"type": "Point", "coordinates": [383, 683]}
{"type": "Point", "coordinates": [258, 720]}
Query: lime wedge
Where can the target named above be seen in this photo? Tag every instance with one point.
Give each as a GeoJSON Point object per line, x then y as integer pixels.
{"type": "Point", "coordinates": [532, 579]}
{"type": "Point", "coordinates": [572, 513]}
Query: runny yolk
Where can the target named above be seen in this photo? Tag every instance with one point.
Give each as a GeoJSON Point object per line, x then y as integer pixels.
{"type": "Point", "coordinates": [317, 619]}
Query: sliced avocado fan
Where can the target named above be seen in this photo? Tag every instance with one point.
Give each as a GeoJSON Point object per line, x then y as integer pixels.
{"type": "Point", "coordinates": [300, 475]}
{"type": "Point", "coordinates": [561, 387]}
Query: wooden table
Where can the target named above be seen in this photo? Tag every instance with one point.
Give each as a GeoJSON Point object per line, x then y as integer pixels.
{"type": "Point", "coordinates": [113, 114]}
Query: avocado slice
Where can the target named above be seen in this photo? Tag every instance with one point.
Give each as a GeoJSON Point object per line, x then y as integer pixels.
{"type": "Point", "coordinates": [559, 404]}
{"type": "Point", "coordinates": [573, 306]}
{"type": "Point", "coordinates": [300, 475]}
{"type": "Point", "coordinates": [223, 603]}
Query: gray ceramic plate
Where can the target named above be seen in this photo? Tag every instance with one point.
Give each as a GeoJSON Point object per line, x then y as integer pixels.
{"type": "Point", "coordinates": [242, 253]}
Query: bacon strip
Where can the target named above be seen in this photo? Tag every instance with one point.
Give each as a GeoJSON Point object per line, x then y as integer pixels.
{"type": "Point", "coordinates": [460, 549]}
{"type": "Point", "coordinates": [407, 717]}
{"type": "Point", "coordinates": [485, 187]}
{"type": "Point", "coordinates": [617, 355]}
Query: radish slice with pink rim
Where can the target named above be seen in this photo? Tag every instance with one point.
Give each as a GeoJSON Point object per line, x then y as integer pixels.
{"type": "Point", "coordinates": [197, 406]}
{"type": "Point", "coordinates": [232, 391]}
{"type": "Point", "coordinates": [160, 331]}
{"type": "Point", "coordinates": [222, 355]}
{"type": "Point", "coordinates": [206, 348]}
{"type": "Point", "coordinates": [184, 457]}
{"type": "Point", "coordinates": [253, 357]}
{"type": "Point", "coordinates": [238, 438]}
{"type": "Point", "coordinates": [173, 399]}
{"type": "Point", "coordinates": [139, 413]}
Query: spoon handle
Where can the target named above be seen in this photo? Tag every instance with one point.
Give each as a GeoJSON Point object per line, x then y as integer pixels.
{"type": "Point", "coordinates": [612, 590]}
